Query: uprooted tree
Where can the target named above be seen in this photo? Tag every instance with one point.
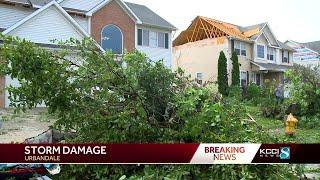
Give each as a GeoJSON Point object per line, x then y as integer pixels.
{"type": "Point", "coordinates": [132, 100]}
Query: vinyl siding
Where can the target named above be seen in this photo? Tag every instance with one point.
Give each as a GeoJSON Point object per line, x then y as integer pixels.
{"type": "Point", "coordinates": [156, 53]}
{"type": "Point", "coordinates": [9, 15]}
{"type": "Point", "coordinates": [83, 22]}
{"type": "Point", "coordinates": [46, 26]}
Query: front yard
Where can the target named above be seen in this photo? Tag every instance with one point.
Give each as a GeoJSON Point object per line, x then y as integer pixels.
{"type": "Point", "coordinates": [276, 128]}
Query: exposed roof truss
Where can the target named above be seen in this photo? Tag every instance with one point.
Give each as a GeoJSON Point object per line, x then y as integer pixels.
{"type": "Point", "coordinates": [206, 28]}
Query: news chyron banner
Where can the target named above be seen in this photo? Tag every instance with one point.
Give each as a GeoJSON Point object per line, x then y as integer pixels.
{"type": "Point", "coordinates": [160, 153]}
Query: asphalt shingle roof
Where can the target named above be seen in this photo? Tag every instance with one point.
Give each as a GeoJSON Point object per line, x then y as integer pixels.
{"type": "Point", "coordinates": [247, 28]}
{"type": "Point", "coordinates": [313, 45]}
{"type": "Point", "coordinates": [284, 46]}
{"type": "Point", "coordinates": [148, 17]}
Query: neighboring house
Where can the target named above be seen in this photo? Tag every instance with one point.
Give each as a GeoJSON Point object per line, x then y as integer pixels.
{"type": "Point", "coordinates": [261, 55]}
{"type": "Point", "coordinates": [305, 53]}
{"type": "Point", "coordinates": [115, 25]}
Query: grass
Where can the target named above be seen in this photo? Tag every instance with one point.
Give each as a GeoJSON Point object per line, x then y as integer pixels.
{"type": "Point", "coordinates": [276, 128]}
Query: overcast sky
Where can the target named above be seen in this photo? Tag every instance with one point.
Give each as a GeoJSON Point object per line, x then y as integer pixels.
{"type": "Point", "coordinates": [297, 20]}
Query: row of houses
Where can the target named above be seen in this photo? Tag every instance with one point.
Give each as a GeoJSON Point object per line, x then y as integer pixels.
{"type": "Point", "coordinates": [123, 27]}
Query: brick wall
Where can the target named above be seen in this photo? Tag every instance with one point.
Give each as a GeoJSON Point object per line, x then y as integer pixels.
{"type": "Point", "coordinates": [112, 13]}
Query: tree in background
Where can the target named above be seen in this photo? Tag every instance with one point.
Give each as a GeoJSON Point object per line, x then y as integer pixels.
{"type": "Point", "coordinates": [235, 69]}
{"type": "Point", "coordinates": [222, 74]}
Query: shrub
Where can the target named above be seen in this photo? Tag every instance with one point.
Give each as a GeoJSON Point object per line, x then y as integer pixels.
{"type": "Point", "coordinates": [268, 103]}
{"type": "Point", "coordinates": [254, 93]}
{"type": "Point", "coordinates": [222, 74]}
{"type": "Point", "coordinates": [305, 88]}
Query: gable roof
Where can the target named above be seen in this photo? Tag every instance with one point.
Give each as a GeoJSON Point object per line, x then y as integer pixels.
{"type": "Point", "coordinates": [315, 45]}
{"type": "Point", "coordinates": [203, 28]}
{"type": "Point", "coordinates": [284, 46]}
{"type": "Point", "coordinates": [148, 17]}
{"type": "Point", "coordinates": [60, 9]}
{"type": "Point", "coordinates": [140, 13]}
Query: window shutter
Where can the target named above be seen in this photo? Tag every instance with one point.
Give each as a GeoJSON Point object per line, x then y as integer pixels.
{"type": "Point", "coordinates": [282, 55]}
{"type": "Point", "coordinates": [167, 41]}
{"type": "Point", "coordinates": [248, 78]}
{"type": "Point", "coordinates": [288, 57]}
{"type": "Point", "coordinates": [140, 37]}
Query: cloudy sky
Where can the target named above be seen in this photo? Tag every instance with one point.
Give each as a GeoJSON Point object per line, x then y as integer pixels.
{"type": "Point", "coordinates": [297, 20]}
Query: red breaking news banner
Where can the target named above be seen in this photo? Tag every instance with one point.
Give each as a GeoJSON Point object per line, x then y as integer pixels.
{"type": "Point", "coordinates": [159, 153]}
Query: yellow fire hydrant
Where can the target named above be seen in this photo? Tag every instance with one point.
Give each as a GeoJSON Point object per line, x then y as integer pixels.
{"type": "Point", "coordinates": [291, 123]}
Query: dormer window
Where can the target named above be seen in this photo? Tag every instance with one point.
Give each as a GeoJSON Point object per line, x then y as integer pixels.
{"type": "Point", "coordinates": [271, 55]}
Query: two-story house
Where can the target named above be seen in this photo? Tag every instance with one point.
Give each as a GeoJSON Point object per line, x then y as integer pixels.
{"type": "Point", "coordinates": [261, 55]}
{"type": "Point", "coordinates": [306, 54]}
{"type": "Point", "coordinates": [115, 25]}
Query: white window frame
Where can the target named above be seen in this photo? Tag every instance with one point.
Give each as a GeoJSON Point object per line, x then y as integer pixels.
{"type": "Point", "coordinates": [264, 51]}
{"type": "Point", "coordinates": [157, 36]}
{"type": "Point", "coordinates": [102, 38]}
{"type": "Point", "coordinates": [273, 51]}
{"type": "Point", "coordinates": [242, 46]}
{"type": "Point", "coordinates": [241, 77]}
{"type": "Point", "coordinates": [199, 81]}
{"type": "Point", "coordinates": [285, 55]}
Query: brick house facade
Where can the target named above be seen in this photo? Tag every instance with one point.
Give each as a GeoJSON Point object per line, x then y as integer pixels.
{"type": "Point", "coordinates": [114, 14]}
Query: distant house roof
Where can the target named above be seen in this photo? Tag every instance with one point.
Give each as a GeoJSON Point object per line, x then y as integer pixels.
{"type": "Point", "coordinates": [272, 67]}
{"type": "Point", "coordinates": [2, 29]}
{"type": "Point", "coordinates": [315, 45]}
{"type": "Point", "coordinates": [248, 28]}
{"type": "Point", "coordinates": [284, 46]}
{"type": "Point", "coordinates": [148, 17]}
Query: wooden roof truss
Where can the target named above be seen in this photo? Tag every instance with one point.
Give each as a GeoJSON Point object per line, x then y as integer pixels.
{"type": "Point", "coordinates": [205, 28]}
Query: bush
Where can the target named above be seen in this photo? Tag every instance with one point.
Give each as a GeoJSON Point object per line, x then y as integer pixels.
{"type": "Point", "coordinates": [254, 93]}
{"type": "Point", "coordinates": [305, 89]}
{"type": "Point", "coordinates": [268, 102]}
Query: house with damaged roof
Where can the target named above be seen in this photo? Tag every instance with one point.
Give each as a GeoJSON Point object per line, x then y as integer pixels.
{"type": "Point", "coordinates": [261, 56]}
{"type": "Point", "coordinates": [115, 25]}
{"type": "Point", "coordinates": [306, 54]}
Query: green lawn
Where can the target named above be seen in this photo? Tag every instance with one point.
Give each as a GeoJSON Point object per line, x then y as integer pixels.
{"type": "Point", "coordinates": [276, 128]}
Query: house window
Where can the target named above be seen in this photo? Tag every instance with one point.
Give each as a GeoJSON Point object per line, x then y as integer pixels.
{"type": "Point", "coordinates": [112, 39]}
{"type": "Point", "coordinates": [199, 78]}
{"type": "Point", "coordinates": [243, 78]}
{"type": "Point", "coordinates": [271, 54]}
{"type": "Point", "coordinates": [285, 58]}
{"type": "Point", "coordinates": [145, 39]}
{"type": "Point", "coordinates": [240, 48]}
{"type": "Point", "coordinates": [161, 38]}
{"type": "Point", "coordinates": [153, 39]}
{"type": "Point", "coordinates": [260, 51]}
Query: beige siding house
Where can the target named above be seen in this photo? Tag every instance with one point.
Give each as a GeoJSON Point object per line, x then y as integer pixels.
{"type": "Point", "coordinates": [261, 55]}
